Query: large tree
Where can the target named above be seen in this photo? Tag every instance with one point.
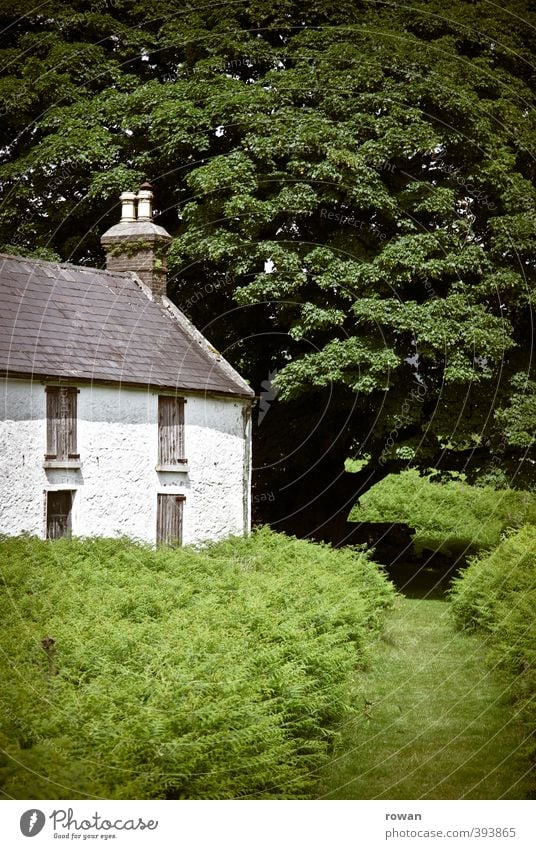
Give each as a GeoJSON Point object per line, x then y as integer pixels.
{"type": "Point", "coordinates": [351, 191]}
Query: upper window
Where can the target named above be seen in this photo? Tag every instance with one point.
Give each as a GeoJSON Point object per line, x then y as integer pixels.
{"type": "Point", "coordinates": [170, 431]}
{"type": "Point", "coordinates": [61, 423]}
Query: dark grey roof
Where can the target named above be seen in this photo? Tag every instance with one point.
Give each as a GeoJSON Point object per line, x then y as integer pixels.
{"type": "Point", "coordinates": [84, 323]}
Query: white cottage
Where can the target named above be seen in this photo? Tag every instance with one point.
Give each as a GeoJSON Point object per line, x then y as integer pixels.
{"type": "Point", "coordinates": [117, 417]}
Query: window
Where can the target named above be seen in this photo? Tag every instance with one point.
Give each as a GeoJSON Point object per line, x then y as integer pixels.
{"type": "Point", "coordinates": [170, 431]}
{"type": "Point", "coordinates": [169, 519]}
{"type": "Point", "coordinates": [61, 423]}
{"type": "Point", "coordinates": [59, 505]}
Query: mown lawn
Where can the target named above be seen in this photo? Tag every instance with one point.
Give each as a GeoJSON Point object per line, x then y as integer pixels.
{"type": "Point", "coordinates": [436, 719]}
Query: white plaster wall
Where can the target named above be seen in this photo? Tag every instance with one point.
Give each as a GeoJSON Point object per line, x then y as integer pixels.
{"type": "Point", "coordinates": [22, 446]}
{"type": "Point", "coordinates": [116, 488]}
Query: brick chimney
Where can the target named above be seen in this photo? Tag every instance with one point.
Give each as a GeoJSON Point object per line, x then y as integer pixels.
{"type": "Point", "coordinates": [137, 243]}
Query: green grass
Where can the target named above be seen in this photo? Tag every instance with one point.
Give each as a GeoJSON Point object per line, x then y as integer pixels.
{"type": "Point", "coordinates": [436, 719]}
{"type": "Point", "coordinates": [452, 518]}
{"type": "Point", "coordinates": [176, 673]}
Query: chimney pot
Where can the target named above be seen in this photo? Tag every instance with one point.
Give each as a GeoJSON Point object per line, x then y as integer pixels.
{"type": "Point", "coordinates": [145, 205]}
{"type": "Point", "coordinates": [138, 244]}
{"type": "Point", "coordinates": [128, 209]}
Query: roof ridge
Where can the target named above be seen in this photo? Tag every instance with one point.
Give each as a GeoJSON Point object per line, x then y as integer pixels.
{"type": "Point", "coordinates": [67, 265]}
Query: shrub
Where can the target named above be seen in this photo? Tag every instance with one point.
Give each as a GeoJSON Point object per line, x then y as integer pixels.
{"type": "Point", "coordinates": [497, 594]}
{"type": "Point", "coordinates": [453, 517]}
{"type": "Point", "coordinates": [214, 673]}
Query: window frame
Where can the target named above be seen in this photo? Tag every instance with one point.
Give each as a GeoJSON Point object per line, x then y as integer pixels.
{"type": "Point", "coordinates": [62, 424]}
{"type": "Point", "coordinates": [171, 433]}
{"type": "Point", "coordinates": [54, 493]}
{"type": "Point", "coordinates": [163, 538]}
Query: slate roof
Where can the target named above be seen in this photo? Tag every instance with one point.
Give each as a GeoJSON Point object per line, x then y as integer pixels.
{"type": "Point", "coordinates": [87, 324]}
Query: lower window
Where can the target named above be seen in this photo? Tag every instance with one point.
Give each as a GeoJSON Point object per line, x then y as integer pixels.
{"type": "Point", "coordinates": [59, 507]}
{"type": "Point", "coordinates": [169, 519]}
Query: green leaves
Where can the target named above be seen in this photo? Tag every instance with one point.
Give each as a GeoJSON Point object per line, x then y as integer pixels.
{"type": "Point", "coordinates": [468, 337]}
{"type": "Point", "coordinates": [513, 236]}
{"type": "Point", "coordinates": [363, 152]}
{"type": "Point", "coordinates": [347, 362]}
{"type": "Point", "coordinates": [517, 420]}
{"type": "Point", "coordinates": [224, 174]}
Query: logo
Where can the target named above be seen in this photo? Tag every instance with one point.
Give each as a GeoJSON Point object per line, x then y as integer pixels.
{"type": "Point", "coordinates": [31, 822]}
{"type": "Point", "coordinates": [269, 393]}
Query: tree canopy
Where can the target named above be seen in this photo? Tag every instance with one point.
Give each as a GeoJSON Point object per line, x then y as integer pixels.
{"type": "Point", "coordinates": [351, 193]}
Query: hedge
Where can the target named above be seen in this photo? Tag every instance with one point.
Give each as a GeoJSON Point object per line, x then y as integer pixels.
{"type": "Point", "coordinates": [497, 594]}
{"type": "Point", "coordinates": [449, 517]}
{"type": "Point", "coordinates": [219, 673]}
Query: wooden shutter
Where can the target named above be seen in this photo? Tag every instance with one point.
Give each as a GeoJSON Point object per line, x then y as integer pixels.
{"type": "Point", "coordinates": [61, 422]}
{"type": "Point", "coordinates": [59, 506]}
{"type": "Point", "coordinates": [170, 430]}
{"type": "Point", "coordinates": [52, 420]}
{"type": "Point", "coordinates": [169, 519]}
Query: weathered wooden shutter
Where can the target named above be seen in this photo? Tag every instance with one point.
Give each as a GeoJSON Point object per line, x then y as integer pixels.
{"type": "Point", "coordinates": [169, 519]}
{"type": "Point", "coordinates": [52, 420]}
{"type": "Point", "coordinates": [61, 422]}
{"type": "Point", "coordinates": [59, 506]}
{"type": "Point", "coordinates": [170, 430]}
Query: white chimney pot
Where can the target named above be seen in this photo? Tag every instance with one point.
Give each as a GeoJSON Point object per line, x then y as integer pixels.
{"type": "Point", "coordinates": [128, 208]}
{"type": "Point", "coordinates": [145, 205]}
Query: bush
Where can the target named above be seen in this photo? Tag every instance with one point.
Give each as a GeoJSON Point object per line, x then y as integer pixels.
{"type": "Point", "coordinates": [452, 518]}
{"type": "Point", "coordinates": [497, 594]}
{"type": "Point", "coordinates": [221, 673]}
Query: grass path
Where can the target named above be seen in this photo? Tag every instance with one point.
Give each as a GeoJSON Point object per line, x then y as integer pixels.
{"type": "Point", "coordinates": [435, 721]}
